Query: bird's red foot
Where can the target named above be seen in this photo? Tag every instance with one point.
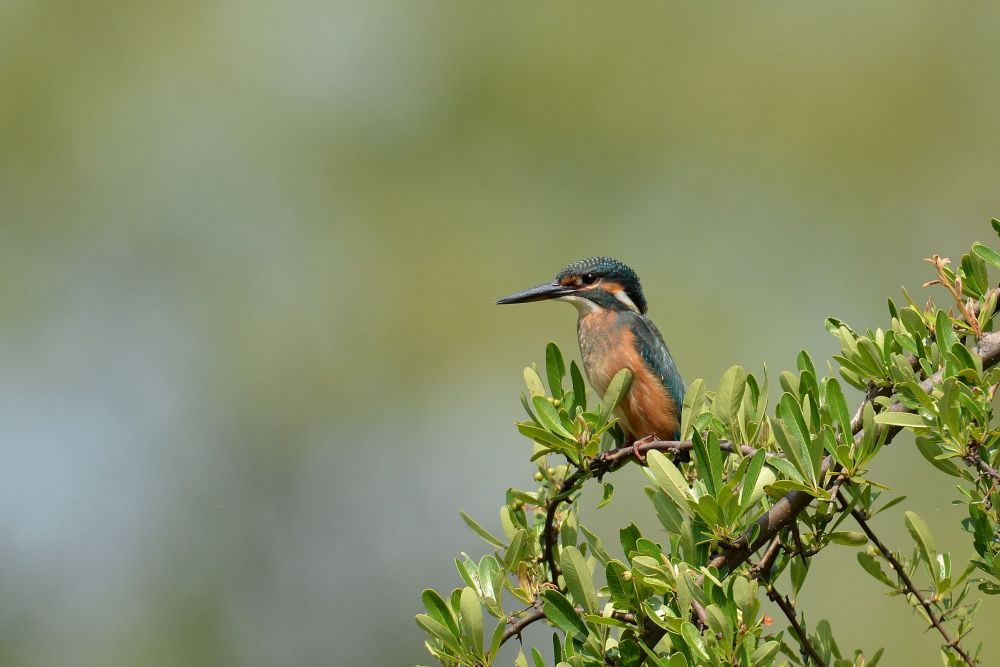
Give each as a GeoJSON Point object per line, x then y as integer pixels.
{"type": "Point", "coordinates": [637, 447]}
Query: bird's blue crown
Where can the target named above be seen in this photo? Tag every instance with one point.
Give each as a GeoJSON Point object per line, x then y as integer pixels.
{"type": "Point", "coordinates": [610, 269]}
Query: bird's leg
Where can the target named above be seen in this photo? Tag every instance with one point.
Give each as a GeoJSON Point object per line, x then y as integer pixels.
{"type": "Point", "coordinates": [637, 447]}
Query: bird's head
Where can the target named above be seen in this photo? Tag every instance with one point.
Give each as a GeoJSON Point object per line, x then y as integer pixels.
{"type": "Point", "coordinates": [595, 283]}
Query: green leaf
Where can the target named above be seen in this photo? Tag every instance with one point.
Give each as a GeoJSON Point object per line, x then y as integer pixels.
{"type": "Point", "coordinates": [709, 466]}
{"type": "Point", "coordinates": [718, 622]}
{"type": "Point", "coordinates": [472, 620]}
{"type": "Point", "coordinates": [491, 581]}
{"type": "Point", "coordinates": [988, 254]}
{"type": "Point", "coordinates": [849, 538]}
{"type": "Point", "coordinates": [657, 661]}
{"type": "Point", "coordinates": [932, 451]}
{"type": "Point", "coordinates": [764, 653]}
{"type": "Point", "coordinates": [617, 586]}
{"type": "Point", "coordinates": [555, 369]}
{"type": "Point", "coordinates": [903, 419]}
{"type": "Point", "coordinates": [913, 321]}
{"type": "Point", "coordinates": [497, 638]}
{"type": "Point", "coordinates": [609, 492]}
{"type": "Point", "coordinates": [628, 536]}
{"type": "Point", "coordinates": [996, 225]}
{"type": "Point", "coordinates": [507, 522]}
{"type": "Point", "coordinates": [527, 409]}
{"type": "Point", "coordinates": [694, 641]}
{"type": "Point", "coordinates": [799, 569]}
{"type": "Point", "coordinates": [871, 356]}
{"type": "Point", "coordinates": [804, 363]}
{"type": "Point", "coordinates": [513, 553]}
{"type": "Point", "coordinates": [789, 382]}
{"type": "Point", "coordinates": [629, 654]}
{"type": "Point", "coordinates": [435, 629]}
{"type": "Point", "coordinates": [438, 609]}
{"type": "Point", "coordinates": [533, 382]}
{"type": "Point", "coordinates": [790, 413]}
{"type": "Point", "coordinates": [921, 534]}
{"type": "Point", "coordinates": [596, 545]}
{"type": "Point", "coordinates": [578, 579]}
{"type": "Point", "coordinates": [892, 503]}
{"type": "Point", "coordinates": [872, 567]}
{"type": "Point", "coordinates": [617, 389]}
{"type": "Point", "coordinates": [750, 479]}
{"type": "Point", "coordinates": [729, 395]}
{"type": "Point", "coordinates": [783, 466]}
{"type": "Point", "coordinates": [838, 407]}
{"type": "Point", "coordinates": [944, 332]}
{"type": "Point", "coordinates": [549, 417]}
{"type": "Point", "coordinates": [469, 571]}
{"type": "Point", "coordinates": [786, 485]}
{"type": "Point", "coordinates": [543, 437]}
{"type": "Point", "coordinates": [792, 448]}
{"type": "Point", "coordinates": [669, 479]}
{"type": "Point", "coordinates": [560, 611]}
{"type": "Point", "coordinates": [743, 593]}
{"type": "Point", "coordinates": [579, 387]}
{"type": "Point", "coordinates": [597, 619]}
{"type": "Point", "coordinates": [480, 531]}
{"type": "Point", "coordinates": [694, 398]}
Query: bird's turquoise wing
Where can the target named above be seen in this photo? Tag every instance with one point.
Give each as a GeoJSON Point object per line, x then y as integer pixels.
{"type": "Point", "coordinates": [657, 357]}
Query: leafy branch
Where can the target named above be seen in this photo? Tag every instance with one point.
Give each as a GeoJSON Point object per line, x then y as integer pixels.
{"type": "Point", "coordinates": [910, 587]}
{"type": "Point", "coordinates": [743, 478]}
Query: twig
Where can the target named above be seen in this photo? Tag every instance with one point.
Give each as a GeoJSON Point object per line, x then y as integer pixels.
{"type": "Point", "coordinates": [763, 568]}
{"type": "Point", "coordinates": [976, 459]}
{"type": "Point", "coordinates": [614, 459]}
{"type": "Point", "coordinates": [700, 613]}
{"type": "Point", "coordinates": [550, 534]}
{"type": "Point", "coordinates": [518, 626]}
{"type": "Point", "coordinates": [788, 609]}
{"type": "Point", "coordinates": [908, 584]}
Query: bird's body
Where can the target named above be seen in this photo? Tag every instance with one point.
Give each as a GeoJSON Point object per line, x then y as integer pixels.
{"type": "Point", "coordinates": [614, 333]}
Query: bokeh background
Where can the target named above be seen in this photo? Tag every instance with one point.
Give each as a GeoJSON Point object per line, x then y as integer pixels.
{"type": "Point", "coordinates": [250, 365]}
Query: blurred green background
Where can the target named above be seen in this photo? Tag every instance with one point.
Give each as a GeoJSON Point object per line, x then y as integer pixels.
{"type": "Point", "coordinates": [251, 365]}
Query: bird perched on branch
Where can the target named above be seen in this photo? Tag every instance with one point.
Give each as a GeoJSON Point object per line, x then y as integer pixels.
{"type": "Point", "coordinates": [614, 333]}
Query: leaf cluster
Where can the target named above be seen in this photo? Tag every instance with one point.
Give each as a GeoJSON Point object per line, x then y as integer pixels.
{"type": "Point", "coordinates": [746, 499]}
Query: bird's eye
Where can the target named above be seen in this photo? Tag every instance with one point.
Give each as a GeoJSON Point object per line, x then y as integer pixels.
{"type": "Point", "coordinates": [589, 278]}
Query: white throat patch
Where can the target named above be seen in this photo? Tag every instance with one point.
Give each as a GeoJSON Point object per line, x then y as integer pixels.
{"type": "Point", "coordinates": [583, 306]}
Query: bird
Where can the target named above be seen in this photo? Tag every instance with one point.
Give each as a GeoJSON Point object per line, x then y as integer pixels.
{"type": "Point", "coordinates": [614, 333]}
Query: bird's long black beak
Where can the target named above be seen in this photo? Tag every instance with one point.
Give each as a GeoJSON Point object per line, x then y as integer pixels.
{"type": "Point", "coordinates": [540, 293]}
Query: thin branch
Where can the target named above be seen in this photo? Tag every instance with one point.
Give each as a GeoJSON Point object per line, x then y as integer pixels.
{"type": "Point", "coordinates": [908, 584]}
{"type": "Point", "coordinates": [700, 613]}
{"type": "Point", "coordinates": [976, 459]}
{"type": "Point", "coordinates": [788, 609]}
{"type": "Point", "coordinates": [874, 391]}
{"type": "Point", "coordinates": [613, 460]}
{"type": "Point", "coordinates": [517, 627]}
{"type": "Point", "coordinates": [763, 568]}
{"type": "Point", "coordinates": [550, 533]}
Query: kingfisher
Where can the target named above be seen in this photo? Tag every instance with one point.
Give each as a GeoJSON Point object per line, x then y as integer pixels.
{"type": "Point", "coordinates": [614, 333]}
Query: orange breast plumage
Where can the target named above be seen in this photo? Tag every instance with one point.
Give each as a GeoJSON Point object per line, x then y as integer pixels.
{"type": "Point", "coordinates": [606, 347]}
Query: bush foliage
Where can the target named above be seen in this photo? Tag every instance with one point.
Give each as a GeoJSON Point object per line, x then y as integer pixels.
{"type": "Point", "coordinates": [748, 497]}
